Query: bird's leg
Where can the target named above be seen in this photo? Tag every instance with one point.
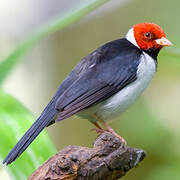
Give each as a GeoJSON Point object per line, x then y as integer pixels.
{"type": "Point", "coordinates": [97, 125]}
{"type": "Point", "coordinates": [98, 128]}
{"type": "Point", "coordinates": [109, 129]}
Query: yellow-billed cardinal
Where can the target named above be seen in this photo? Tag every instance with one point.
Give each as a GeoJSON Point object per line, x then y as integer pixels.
{"type": "Point", "coordinates": [104, 84]}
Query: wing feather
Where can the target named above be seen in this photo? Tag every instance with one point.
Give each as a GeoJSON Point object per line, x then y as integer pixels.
{"type": "Point", "coordinates": [111, 72]}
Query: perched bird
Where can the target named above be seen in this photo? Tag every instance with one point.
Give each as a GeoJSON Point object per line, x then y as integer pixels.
{"type": "Point", "coordinates": [104, 84]}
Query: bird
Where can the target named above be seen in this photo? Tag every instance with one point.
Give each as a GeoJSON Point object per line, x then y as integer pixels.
{"type": "Point", "coordinates": [104, 83]}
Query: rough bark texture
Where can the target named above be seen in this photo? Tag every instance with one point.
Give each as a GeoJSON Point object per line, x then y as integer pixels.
{"type": "Point", "coordinates": [109, 159]}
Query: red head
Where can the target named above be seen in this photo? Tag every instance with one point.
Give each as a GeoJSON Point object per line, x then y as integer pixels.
{"type": "Point", "coordinates": [150, 36]}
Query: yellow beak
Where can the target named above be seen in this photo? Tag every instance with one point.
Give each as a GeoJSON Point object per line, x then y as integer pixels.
{"type": "Point", "coordinates": [163, 42]}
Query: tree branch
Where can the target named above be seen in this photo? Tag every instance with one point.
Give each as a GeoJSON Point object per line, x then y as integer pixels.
{"type": "Point", "coordinates": [109, 159]}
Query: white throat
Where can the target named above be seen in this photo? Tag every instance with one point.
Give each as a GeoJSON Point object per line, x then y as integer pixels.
{"type": "Point", "coordinates": [130, 37]}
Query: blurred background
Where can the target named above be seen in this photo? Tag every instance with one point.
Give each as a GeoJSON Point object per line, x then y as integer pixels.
{"type": "Point", "coordinates": [152, 123]}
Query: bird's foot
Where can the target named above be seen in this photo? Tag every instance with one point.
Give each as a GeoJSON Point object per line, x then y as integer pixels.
{"type": "Point", "coordinates": [98, 130]}
{"type": "Point", "coordinates": [109, 129]}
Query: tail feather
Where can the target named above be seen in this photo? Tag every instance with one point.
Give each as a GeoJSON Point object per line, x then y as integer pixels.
{"type": "Point", "coordinates": [44, 120]}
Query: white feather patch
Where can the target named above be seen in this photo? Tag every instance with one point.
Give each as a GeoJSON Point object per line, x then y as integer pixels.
{"type": "Point", "coordinates": [130, 37]}
{"type": "Point", "coordinates": [119, 102]}
{"type": "Point", "coordinates": [124, 98]}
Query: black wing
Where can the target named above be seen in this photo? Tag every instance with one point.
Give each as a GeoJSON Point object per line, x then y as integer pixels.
{"type": "Point", "coordinates": [108, 70]}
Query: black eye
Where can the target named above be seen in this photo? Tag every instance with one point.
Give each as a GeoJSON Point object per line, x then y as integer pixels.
{"type": "Point", "coordinates": [147, 35]}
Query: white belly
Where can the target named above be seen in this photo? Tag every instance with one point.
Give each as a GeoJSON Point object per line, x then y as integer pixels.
{"type": "Point", "coordinates": [124, 98]}
{"type": "Point", "coordinates": [119, 102]}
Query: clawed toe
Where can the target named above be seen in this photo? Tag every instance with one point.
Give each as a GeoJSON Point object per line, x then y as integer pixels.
{"type": "Point", "coordinates": [98, 130]}
{"type": "Point", "coordinates": [109, 129]}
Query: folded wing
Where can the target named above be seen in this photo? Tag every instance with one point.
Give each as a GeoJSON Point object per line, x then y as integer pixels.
{"type": "Point", "coordinates": [100, 81]}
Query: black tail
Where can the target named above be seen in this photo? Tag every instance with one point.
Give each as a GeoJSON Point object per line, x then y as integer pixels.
{"type": "Point", "coordinates": [44, 120]}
